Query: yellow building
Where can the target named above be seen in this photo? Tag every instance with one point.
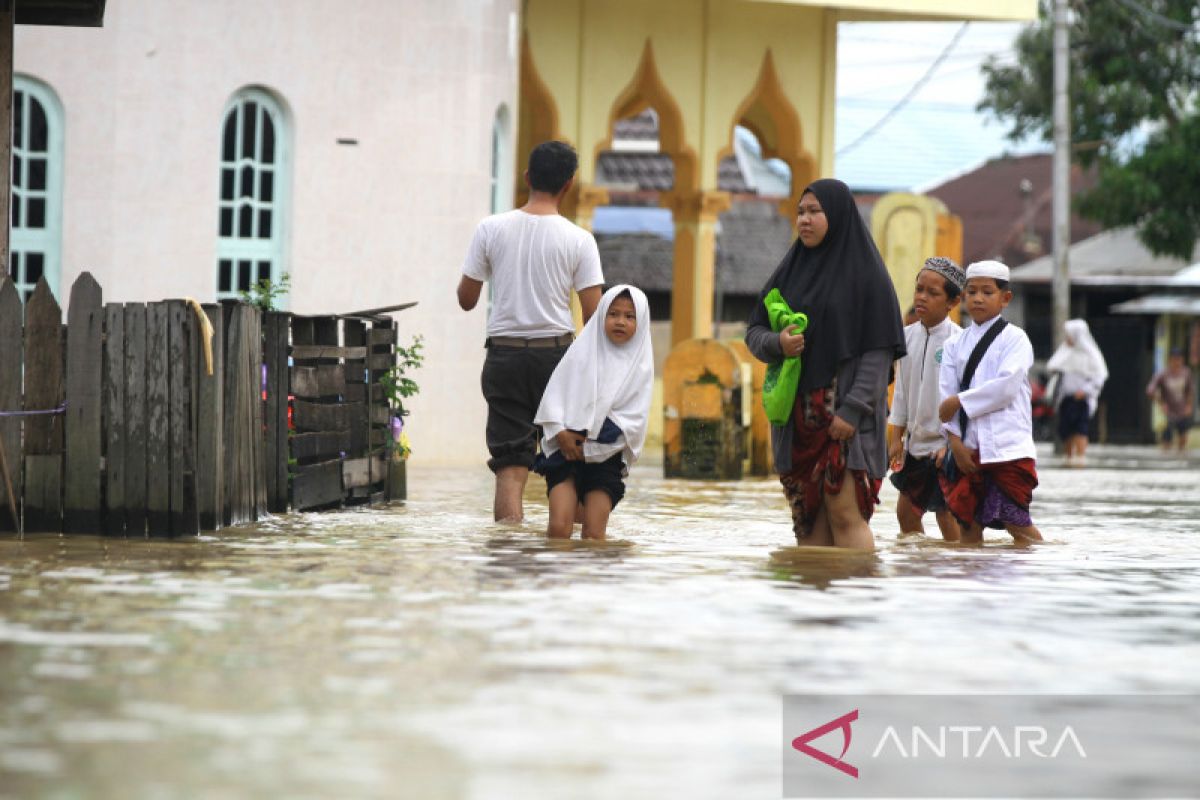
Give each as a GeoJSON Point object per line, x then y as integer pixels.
{"type": "Point", "coordinates": [704, 66]}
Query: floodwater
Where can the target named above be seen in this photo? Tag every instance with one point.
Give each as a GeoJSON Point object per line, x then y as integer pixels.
{"type": "Point", "coordinates": [421, 651]}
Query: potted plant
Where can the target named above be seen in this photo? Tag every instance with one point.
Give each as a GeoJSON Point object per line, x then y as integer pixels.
{"type": "Point", "coordinates": [398, 386]}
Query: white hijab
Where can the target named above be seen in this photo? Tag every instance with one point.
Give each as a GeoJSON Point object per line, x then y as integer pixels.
{"type": "Point", "coordinates": [597, 380]}
{"type": "Point", "coordinates": [1079, 354]}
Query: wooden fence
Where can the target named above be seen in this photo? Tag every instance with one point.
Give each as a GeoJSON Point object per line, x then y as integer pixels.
{"type": "Point", "coordinates": [168, 418]}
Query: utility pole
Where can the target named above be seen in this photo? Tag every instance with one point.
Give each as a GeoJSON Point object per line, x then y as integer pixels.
{"type": "Point", "coordinates": [1062, 174]}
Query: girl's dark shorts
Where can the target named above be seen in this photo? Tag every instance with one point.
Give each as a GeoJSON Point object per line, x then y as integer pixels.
{"type": "Point", "coordinates": [604, 476]}
{"type": "Point", "coordinates": [1073, 418]}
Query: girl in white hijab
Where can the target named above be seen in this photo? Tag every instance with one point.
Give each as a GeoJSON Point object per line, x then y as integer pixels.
{"type": "Point", "coordinates": [1083, 373]}
{"type": "Point", "coordinates": [594, 413]}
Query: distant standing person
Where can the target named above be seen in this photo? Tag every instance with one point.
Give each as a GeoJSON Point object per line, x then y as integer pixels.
{"type": "Point", "coordinates": [1175, 391]}
{"type": "Point", "coordinates": [533, 258]}
{"type": "Point", "coordinates": [832, 452]}
{"type": "Point", "coordinates": [1083, 373]}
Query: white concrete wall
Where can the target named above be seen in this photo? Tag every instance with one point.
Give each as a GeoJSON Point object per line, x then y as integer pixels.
{"type": "Point", "coordinates": [416, 82]}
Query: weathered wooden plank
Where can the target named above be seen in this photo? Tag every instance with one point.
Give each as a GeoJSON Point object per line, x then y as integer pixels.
{"type": "Point", "coordinates": [180, 428]}
{"type": "Point", "coordinates": [115, 432]}
{"type": "Point", "coordinates": [328, 380]}
{"type": "Point", "coordinates": [380, 414]}
{"type": "Point", "coordinates": [43, 493]}
{"type": "Point", "coordinates": [85, 365]}
{"type": "Point", "coordinates": [137, 420]}
{"type": "Point", "coordinates": [317, 418]}
{"type": "Point", "coordinates": [158, 421]}
{"type": "Point", "coordinates": [210, 460]}
{"type": "Point", "coordinates": [259, 415]}
{"type": "Point", "coordinates": [317, 485]}
{"type": "Point", "coordinates": [12, 349]}
{"type": "Point", "coordinates": [271, 422]}
{"type": "Point", "coordinates": [358, 472]}
{"type": "Point", "coordinates": [278, 431]}
{"type": "Point", "coordinates": [310, 446]}
{"type": "Point", "coordinates": [43, 392]}
{"type": "Point", "coordinates": [355, 393]}
{"type": "Point", "coordinates": [231, 323]}
{"type": "Point", "coordinates": [382, 335]}
{"type": "Point", "coordinates": [381, 361]}
{"type": "Point", "coordinates": [354, 335]}
{"type": "Point", "coordinates": [322, 352]}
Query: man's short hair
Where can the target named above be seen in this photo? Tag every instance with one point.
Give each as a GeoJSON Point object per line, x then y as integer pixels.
{"type": "Point", "coordinates": [551, 165]}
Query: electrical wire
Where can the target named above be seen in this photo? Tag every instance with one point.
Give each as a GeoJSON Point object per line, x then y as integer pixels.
{"type": "Point", "coordinates": [916, 87]}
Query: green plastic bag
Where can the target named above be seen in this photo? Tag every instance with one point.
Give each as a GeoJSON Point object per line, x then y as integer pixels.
{"type": "Point", "coordinates": [779, 386]}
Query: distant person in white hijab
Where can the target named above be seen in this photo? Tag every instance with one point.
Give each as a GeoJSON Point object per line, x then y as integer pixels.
{"type": "Point", "coordinates": [594, 413]}
{"type": "Point", "coordinates": [1083, 373]}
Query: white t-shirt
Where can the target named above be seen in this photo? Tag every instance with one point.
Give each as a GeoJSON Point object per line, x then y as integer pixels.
{"type": "Point", "coordinates": [533, 262]}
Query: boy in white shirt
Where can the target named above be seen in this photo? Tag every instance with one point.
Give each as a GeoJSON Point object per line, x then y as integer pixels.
{"type": "Point", "coordinates": [987, 414]}
{"type": "Point", "coordinates": [918, 444]}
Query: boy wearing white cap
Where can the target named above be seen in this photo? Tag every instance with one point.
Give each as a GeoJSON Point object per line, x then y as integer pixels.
{"type": "Point", "coordinates": [987, 415]}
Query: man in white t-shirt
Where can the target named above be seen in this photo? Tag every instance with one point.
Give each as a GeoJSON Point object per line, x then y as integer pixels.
{"type": "Point", "coordinates": [534, 258]}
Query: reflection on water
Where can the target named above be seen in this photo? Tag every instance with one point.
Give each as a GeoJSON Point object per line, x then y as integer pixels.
{"type": "Point", "coordinates": [424, 651]}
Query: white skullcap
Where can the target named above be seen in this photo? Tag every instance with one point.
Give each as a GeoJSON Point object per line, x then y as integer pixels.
{"type": "Point", "coordinates": [988, 269]}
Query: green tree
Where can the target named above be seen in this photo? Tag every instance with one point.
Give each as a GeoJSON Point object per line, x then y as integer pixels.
{"type": "Point", "coordinates": [1134, 71]}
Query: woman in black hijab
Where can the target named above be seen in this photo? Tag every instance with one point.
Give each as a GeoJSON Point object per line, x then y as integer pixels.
{"type": "Point", "coordinates": [835, 275]}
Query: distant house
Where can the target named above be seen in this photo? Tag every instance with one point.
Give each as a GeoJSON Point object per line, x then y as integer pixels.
{"type": "Point", "coordinates": [1137, 305]}
{"type": "Point", "coordinates": [1005, 206]}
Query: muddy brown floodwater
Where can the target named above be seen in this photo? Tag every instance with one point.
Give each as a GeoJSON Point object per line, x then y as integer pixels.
{"type": "Point", "coordinates": [421, 651]}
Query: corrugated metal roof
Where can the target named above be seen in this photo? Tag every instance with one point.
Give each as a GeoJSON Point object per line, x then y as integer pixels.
{"type": "Point", "coordinates": [1112, 257]}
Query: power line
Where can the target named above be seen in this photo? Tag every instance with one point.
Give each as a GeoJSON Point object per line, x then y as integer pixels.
{"type": "Point", "coordinates": [1154, 16]}
{"type": "Point", "coordinates": [916, 87]}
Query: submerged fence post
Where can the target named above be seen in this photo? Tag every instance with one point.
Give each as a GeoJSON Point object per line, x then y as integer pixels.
{"type": "Point", "coordinates": [85, 341]}
{"type": "Point", "coordinates": [11, 357]}
{"type": "Point", "coordinates": [43, 392]}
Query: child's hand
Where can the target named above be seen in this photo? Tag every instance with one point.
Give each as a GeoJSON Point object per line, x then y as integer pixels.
{"type": "Point", "coordinates": [790, 342]}
{"type": "Point", "coordinates": [939, 458]}
{"type": "Point", "coordinates": [962, 456]}
{"type": "Point", "coordinates": [840, 430]}
{"type": "Point", "coordinates": [949, 408]}
{"type": "Point", "coordinates": [570, 444]}
{"type": "Point", "coordinates": [896, 453]}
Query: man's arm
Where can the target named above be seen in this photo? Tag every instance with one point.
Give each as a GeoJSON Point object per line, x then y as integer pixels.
{"type": "Point", "coordinates": [468, 292]}
{"type": "Point", "coordinates": [589, 298]}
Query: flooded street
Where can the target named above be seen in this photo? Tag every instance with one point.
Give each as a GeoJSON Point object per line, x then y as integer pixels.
{"type": "Point", "coordinates": [422, 651]}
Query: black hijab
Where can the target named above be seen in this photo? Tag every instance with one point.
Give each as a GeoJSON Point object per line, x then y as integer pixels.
{"type": "Point", "coordinates": [843, 287]}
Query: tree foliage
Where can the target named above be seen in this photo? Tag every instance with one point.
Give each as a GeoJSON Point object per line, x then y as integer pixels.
{"type": "Point", "coordinates": [1134, 72]}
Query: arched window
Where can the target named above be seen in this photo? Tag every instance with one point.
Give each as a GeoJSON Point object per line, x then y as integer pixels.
{"type": "Point", "coordinates": [502, 162]}
{"type": "Point", "coordinates": [254, 179]}
{"type": "Point", "coordinates": [36, 239]}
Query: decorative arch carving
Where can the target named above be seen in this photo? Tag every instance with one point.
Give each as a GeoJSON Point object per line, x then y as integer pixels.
{"type": "Point", "coordinates": [770, 116]}
{"type": "Point", "coordinates": [538, 118]}
{"type": "Point", "coordinates": [647, 90]}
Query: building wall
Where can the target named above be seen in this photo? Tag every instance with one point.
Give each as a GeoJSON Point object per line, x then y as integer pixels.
{"type": "Point", "coordinates": [416, 83]}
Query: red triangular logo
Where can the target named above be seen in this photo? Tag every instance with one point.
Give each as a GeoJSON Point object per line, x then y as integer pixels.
{"type": "Point", "coordinates": [801, 743]}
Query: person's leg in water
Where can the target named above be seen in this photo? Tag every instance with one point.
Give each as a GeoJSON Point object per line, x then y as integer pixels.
{"type": "Point", "coordinates": [973, 533]}
{"type": "Point", "coordinates": [908, 516]}
{"type": "Point", "coordinates": [846, 523]}
{"type": "Point", "coordinates": [510, 488]}
{"type": "Point", "coordinates": [948, 525]}
{"type": "Point", "coordinates": [1024, 534]}
{"type": "Point", "coordinates": [597, 507]}
{"type": "Point", "coordinates": [563, 502]}
{"type": "Point", "coordinates": [820, 535]}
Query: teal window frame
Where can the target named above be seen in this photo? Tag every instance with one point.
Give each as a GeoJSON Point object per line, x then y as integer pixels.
{"type": "Point", "coordinates": [36, 191]}
{"type": "Point", "coordinates": [254, 182]}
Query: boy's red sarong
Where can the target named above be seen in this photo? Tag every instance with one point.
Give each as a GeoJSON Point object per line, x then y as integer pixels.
{"type": "Point", "coordinates": [819, 464]}
{"type": "Point", "coordinates": [1015, 479]}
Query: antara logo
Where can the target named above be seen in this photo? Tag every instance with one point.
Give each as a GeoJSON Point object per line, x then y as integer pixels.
{"type": "Point", "coordinates": [801, 743]}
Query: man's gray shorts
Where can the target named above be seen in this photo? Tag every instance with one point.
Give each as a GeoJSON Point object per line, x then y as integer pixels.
{"type": "Point", "coordinates": [513, 380]}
